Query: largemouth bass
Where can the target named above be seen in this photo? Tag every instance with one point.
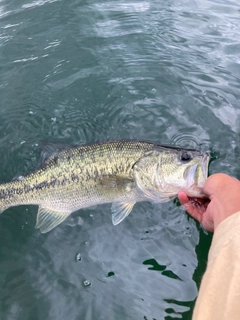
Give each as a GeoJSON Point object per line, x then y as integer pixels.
{"type": "Point", "coordinates": [121, 172]}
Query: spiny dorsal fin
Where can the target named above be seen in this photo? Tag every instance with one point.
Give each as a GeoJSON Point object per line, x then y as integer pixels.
{"type": "Point", "coordinates": [47, 219]}
{"type": "Point", "coordinates": [49, 150]}
{"type": "Point", "coordinates": [120, 210]}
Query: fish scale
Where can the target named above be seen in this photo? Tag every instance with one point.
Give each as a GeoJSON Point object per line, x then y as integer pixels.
{"type": "Point", "coordinates": [120, 172]}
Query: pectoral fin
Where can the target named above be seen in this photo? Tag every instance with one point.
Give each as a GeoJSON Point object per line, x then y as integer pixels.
{"type": "Point", "coordinates": [47, 219]}
{"type": "Point", "coordinates": [121, 210]}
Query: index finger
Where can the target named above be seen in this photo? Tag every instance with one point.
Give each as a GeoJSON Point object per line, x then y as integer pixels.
{"type": "Point", "coordinates": [194, 206]}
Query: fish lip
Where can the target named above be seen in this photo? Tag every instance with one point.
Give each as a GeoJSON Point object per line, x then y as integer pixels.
{"type": "Point", "coordinates": [195, 188]}
{"type": "Point", "coordinates": [191, 174]}
{"type": "Point", "coordinates": [205, 163]}
{"type": "Point", "coordinates": [204, 168]}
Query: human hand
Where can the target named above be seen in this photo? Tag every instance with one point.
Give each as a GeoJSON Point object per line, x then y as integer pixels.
{"type": "Point", "coordinates": [223, 199]}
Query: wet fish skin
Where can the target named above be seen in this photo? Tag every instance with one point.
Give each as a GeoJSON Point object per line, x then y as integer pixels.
{"type": "Point", "coordinates": [120, 172]}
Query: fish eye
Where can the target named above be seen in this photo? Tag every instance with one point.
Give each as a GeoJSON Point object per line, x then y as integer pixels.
{"type": "Point", "coordinates": [185, 156]}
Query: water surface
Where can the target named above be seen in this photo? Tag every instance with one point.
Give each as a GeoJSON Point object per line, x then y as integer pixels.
{"type": "Point", "coordinates": [84, 71]}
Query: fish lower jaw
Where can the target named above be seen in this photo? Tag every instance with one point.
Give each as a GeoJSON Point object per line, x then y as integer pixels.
{"type": "Point", "coordinates": [195, 192]}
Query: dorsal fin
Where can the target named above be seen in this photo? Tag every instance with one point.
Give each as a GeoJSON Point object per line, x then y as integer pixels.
{"type": "Point", "coordinates": [49, 150]}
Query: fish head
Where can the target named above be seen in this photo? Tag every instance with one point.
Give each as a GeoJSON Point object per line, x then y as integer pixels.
{"type": "Point", "coordinates": [163, 172]}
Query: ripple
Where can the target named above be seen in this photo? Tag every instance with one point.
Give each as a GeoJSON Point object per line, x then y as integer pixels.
{"type": "Point", "coordinates": [114, 28]}
{"type": "Point", "coordinates": [126, 7]}
{"type": "Point", "coordinates": [75, 72]}
{"type": "Point", "coordinates": [185, 140]}
{"type": "Point", "coordinates": [37, 3]}
{"type": "Point", "coordinates": [81, 74]}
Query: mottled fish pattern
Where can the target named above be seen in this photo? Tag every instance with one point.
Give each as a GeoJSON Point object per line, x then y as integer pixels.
{"type": "Point", "coordinates": [120, 172]}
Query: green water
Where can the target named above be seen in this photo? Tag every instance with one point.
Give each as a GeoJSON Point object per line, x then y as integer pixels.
{"type": "Point", "coordinates": [83, 71]}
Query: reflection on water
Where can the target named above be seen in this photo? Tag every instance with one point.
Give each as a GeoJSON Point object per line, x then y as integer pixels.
{"type": "Point", "coordinates": [76, 72]}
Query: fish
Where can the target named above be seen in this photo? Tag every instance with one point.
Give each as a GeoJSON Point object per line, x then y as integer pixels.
{"type": "Point", "coordinates": [121, 172]}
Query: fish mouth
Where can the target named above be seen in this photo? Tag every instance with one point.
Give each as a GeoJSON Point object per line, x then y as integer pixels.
{"type": "Point", "coordinates": [190, 175]}
{"type": "Point", "coordinates": [205, 164]}
{"type": "Point", "coordinates": [197, 175]}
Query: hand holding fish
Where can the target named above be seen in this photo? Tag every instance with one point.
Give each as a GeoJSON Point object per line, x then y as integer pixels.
{"type": "Point", "coordinates": [223, 200]}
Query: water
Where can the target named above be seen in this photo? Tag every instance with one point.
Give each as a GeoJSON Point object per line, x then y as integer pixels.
{"type": "Point", "coordinates": [83, 71]}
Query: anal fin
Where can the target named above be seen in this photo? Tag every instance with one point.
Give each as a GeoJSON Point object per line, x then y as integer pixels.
{"type": "Point", "coordinates": [120, 210]}
{"type": "Point", "coordinates": [47, 219]}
